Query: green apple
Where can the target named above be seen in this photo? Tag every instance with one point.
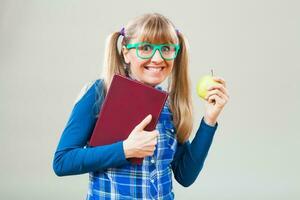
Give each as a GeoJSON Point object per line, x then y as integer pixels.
{"type": "Point", "coordinates": [203, 84]}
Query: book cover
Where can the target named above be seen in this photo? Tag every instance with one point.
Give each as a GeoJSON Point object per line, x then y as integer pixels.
{"type": "Point", "coordinates": [126, 104]}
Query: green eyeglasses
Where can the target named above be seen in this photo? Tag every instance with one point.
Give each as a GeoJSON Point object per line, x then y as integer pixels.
{"type": "Point", "coordinates": [146, 50]}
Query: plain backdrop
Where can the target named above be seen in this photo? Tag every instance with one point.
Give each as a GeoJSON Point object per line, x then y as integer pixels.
{"type": "Point", "coordinates": [50, 49]}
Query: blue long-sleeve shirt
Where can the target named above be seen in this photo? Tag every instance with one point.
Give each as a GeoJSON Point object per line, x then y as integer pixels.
{"type": "Point", "coordinates": [73, 156]}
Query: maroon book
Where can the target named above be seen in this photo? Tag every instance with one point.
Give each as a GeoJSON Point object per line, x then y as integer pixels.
{"type": "Point", "coordinates": [126, 104]}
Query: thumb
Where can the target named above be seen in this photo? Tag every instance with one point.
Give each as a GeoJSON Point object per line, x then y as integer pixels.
{"type": "Point", "coordinates": [143, 123]}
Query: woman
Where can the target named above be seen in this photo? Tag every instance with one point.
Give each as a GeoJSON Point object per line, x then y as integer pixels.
{"type": "Point", "coordinates": [152, 50]}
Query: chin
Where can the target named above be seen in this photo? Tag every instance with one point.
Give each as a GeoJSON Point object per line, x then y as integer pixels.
{"type": "Point", "coordinates": [153, 81]}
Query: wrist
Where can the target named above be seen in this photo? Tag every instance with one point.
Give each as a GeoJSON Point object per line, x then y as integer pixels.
{"type": "Point", "coordinates": [209, 121]}
{"type": "Point", "coordinates": [128, 153]}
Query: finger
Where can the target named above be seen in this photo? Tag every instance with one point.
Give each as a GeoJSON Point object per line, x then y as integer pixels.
{"type": "Point", "coordinates": [215, 92]}
{"type": "Point", "coordinates": [151, 134]}
{"type": "Point", "coordinates": [144, 153]}
{"type": "Point", "coordinates": [152, 142]}
{"type": "Point", "coordinates": [223, 97]}
{"type": "Point", "coordinates": [217, 100]}
{"type": "Point", "coordinates": [220, 87]}
{"type": "Point", "coordinates": [150, 153]}
{"type": "Point", "coordinates": [141, 126]}
{"type": "Point", "coordinates": [155, 133]}
{"type": "Point", "coordinates": [148, 137]}
{"type": "Point", "coordinates": [219, 80]}
{"type": "Point", "coordinates": [149, 148]}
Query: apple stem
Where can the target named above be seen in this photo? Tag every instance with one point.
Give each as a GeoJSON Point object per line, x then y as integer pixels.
{"type": "Point", "coordinates": [212, 72]}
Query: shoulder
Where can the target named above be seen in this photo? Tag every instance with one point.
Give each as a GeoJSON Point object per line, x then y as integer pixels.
{"type": "Point", "coordinates": [89, 89]}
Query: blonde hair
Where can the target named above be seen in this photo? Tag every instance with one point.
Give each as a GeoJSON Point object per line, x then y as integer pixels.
{"type": "Point", "coordinates": [156, 28]}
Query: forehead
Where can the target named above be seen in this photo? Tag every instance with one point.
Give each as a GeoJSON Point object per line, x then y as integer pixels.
{"type": "Point", "coordinates": [152, 28]}
{"type": "Point", "coordinates": [157, 42]}
{"type": "Point", "coordinates": [157, 38]}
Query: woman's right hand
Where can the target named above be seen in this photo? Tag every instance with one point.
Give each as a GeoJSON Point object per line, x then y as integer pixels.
{"type": "Point", "coordinates": [140, 143]}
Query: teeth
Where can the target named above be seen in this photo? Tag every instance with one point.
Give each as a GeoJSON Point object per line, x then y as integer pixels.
{"type": "Point", "coordinates": [154, 69]}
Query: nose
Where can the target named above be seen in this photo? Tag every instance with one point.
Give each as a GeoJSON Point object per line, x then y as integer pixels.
{"type": "Point", "coordinates": [157, 57]}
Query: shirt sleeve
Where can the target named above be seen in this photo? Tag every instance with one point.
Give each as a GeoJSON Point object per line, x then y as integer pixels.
{"type": "Point", "coordinates": [72, 155]}
{"type": "Point", "coordinates": [189, 157]}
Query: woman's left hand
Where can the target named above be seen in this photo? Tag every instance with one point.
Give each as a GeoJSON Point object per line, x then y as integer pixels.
{"type": "Point", "coordinates": [215, 100]}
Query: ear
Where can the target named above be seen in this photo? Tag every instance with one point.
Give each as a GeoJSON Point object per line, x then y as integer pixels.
{"type": "Point", "coordinates": [125, 52]}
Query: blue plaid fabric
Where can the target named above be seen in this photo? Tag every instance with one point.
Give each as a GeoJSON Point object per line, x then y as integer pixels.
{"type": "Point", "coordinates": [151, 180]}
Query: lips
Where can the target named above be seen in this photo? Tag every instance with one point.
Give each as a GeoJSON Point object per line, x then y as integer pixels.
{"type": "Point", "coordinates": [154, 69]}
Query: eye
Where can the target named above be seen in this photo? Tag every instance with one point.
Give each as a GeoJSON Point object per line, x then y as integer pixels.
{"type": "Point", "coordinates": [146, 47]}
{"type": "Point", "coordinates": [166, 48]}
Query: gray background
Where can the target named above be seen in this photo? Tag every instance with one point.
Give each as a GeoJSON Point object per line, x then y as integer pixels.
{"type": "Point", "coordinates": [50, 49]}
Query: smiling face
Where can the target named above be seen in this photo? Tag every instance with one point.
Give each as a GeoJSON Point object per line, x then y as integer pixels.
{"type": "Point", "coordinates": [154, 29]}
{"type": "Point", "coordinates": [152, 71]}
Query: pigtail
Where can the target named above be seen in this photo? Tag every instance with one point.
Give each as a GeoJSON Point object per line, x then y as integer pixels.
{"type": "Point", "coordinates": [180, 93]}
{"type": "Point", "coordinates": [113, 59]}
